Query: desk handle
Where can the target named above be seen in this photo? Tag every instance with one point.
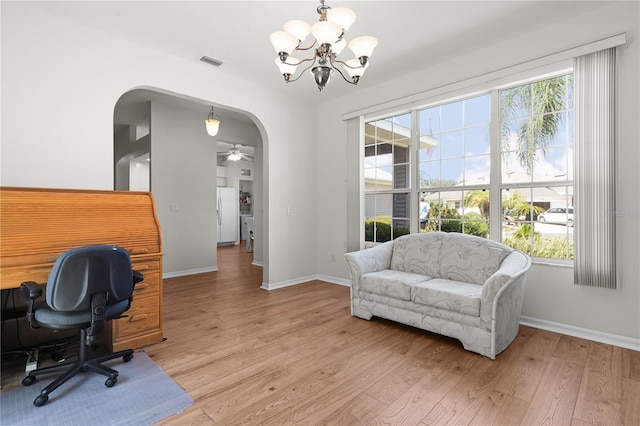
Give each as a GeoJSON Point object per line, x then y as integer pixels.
{"type": "Point", "coordinates": [141, 286]}
{"type": "Point", "coordinates": [140, 267]}
{"type": "Point", "coordinates": [140, 317]}
{"type": "Point", "coordinates": [140, 250]}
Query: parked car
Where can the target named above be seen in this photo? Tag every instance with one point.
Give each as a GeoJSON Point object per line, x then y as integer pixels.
{"type": "Point", "coordinates": [557, 215]}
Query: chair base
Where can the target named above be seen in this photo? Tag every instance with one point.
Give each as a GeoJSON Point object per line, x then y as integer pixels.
{"type": "Point", "coordinates": [71, 368]}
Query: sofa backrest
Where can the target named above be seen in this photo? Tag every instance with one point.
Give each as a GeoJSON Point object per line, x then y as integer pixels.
{"type": "Point", "coordinates": [470, 259]}
{"type": "Point", "coordinates": [418, 253]}
{"type": "Point", "coordinates": [454, 256]}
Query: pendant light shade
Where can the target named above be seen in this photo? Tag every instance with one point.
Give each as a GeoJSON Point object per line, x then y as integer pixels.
{"type": "Point", "coordinates": [326, 32]}
{"type": "Point", "coordinates": [298, 29]}
{"type": "Point", "coordinates": [283, 42]}
{"type": "Point", "coordinates": [213, 123]}
{"type": "Point", "coordinates": [343, 16]}
{"type": "Point", "coordinates": [363, 46]}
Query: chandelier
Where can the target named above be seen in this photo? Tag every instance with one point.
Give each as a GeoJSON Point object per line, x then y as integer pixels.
{"type": "Point", "coordinates": [329, 41]}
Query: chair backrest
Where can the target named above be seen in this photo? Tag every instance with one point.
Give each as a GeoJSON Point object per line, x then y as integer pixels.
{"type": "Point", "coordinates": [82, 272]}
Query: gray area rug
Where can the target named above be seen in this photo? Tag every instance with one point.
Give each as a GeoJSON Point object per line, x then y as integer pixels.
{"type": "Point", "coordinates": [143, 395]}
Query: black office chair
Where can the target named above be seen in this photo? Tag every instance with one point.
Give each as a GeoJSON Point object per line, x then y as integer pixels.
{"type": "Point", "coordinates": [87, 287]}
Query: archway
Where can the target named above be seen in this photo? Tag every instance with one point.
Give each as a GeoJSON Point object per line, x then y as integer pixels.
{"type": "Point", "coordinates": [183, 171]}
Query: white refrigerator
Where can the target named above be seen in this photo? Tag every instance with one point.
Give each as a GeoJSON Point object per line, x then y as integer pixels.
{"type": "Point", "coordinates": [227, 213]}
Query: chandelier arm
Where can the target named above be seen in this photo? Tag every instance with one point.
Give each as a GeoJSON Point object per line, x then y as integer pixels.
{"type": "Point", "coordinates": [306, 48]}
{"type": "Point", "coordinates": [303, 71]}
{"type": "Point", "coordinates": [343, 63]}
{"type": "Point", "coordinates": [340, 72]}
{"type": "Point", "coordinates": [301, 61]}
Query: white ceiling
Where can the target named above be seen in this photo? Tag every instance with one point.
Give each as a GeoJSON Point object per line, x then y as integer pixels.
{"type": "Point", "coordinates": [411, 34]}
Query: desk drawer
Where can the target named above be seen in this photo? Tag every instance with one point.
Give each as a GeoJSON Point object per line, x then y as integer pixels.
{"type": "Point", "coordinates": [142, 318]}
{"type": "Point", "coordinates": [145, 266]}
{"type": "Point", "coordinates": [150, 286]}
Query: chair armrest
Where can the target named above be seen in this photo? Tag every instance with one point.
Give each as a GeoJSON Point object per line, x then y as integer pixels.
{"type": "Point", "coordinates": [137, 277]}
{"type": "Point", "coordinates": [373, 259]}
{"type": "Point", "coordinates": [512, 269]}
{"type": "Point", "coordinates": [30, 290]}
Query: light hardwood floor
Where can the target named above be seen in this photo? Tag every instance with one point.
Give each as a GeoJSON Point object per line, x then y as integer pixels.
{"type": "Point", "coordinates": [295, 355]}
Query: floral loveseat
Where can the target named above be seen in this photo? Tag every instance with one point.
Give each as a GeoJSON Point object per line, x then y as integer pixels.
{"type": "Point", "coordinates": [458, 285]}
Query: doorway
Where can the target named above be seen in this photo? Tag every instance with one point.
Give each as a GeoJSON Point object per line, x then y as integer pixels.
{"type": "Point", "coordinates": [183, 165]}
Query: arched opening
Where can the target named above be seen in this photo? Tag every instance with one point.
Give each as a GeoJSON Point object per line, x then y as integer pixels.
{"type": "Point", "coordinates": [185, 168]}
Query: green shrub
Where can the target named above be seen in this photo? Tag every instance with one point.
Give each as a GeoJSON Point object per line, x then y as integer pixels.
{"type": "Point", "coordinates": [382, 226]}
{"type": "Point", "coordinates": [549, 247]}
{"type": "Point", "coordinates": [474, 225]}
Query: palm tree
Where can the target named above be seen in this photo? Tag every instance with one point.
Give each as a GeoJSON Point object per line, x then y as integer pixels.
{"type": "Point", "coordinates": [519, 206]}
{"type": "Point", "coordinates": [480, 199]}
{"type": "Point", "coordinates": [529, 114]}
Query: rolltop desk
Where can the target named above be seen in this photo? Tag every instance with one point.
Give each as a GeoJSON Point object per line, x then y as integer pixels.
{"type": "Point", "coordinates": [38, 224]}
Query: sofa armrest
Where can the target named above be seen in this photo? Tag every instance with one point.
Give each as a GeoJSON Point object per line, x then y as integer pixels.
{"type": "Point", "coordinates": [373, 259]}
{"type": "Point", "coordinates": [511, 273]}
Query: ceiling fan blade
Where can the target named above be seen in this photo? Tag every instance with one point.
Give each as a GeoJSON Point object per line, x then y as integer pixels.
{"type": "Point", "coordinates": [246, 157]}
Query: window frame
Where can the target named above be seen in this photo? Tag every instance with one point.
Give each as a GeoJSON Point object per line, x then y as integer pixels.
{"type": "Point", "coordinates": [495, 186]}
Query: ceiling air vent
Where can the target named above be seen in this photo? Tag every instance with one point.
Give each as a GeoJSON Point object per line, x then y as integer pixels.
{"type": "Point", "coordinates": [211, 61]}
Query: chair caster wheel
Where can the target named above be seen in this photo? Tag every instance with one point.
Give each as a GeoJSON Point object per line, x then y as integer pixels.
{"type": "Point", "coordinates": [28, 380]}
{"type": "Point", "coordinates": [127, 358]}
{"type": "Point", "coordinates": [110, 382]}
{"type": "Point", "coordinates": [41, 400]}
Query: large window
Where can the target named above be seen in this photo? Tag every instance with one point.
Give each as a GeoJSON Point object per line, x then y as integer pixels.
{"type": "Point", "coordinates": [475, 165]}
{"type": "Point", "coordinates": [387, 177]}
{"type": "Point", "coordinates": [454, 163]}
{"type": "Point", "coordinates": [537, 167]}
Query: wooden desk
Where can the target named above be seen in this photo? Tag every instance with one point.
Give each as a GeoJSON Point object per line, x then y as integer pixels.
{"type": "Point", "coordinates": [38, 224]}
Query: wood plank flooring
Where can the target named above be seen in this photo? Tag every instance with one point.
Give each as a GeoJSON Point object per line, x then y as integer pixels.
{"type": "Point", "coordinates": [295, 355]}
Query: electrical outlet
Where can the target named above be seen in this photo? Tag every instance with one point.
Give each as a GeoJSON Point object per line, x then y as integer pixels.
{"type": "Point", "coordinates": [288, 211]}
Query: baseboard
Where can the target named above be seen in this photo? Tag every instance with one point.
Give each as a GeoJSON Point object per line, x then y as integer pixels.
{"type": "Point", "coordinates": [334, 280]}
{"type": "Point", "coordinates": [189, 272]}
{"type": "Point", "coordinates": [256, 263]}
{"type": "Point", "coordinates": [302, 280]}
{"type": "Point", "coordinates": [583, 333]}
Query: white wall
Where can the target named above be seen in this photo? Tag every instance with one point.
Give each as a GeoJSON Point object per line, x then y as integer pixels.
{"type": "Point", "coordinates": [61, 82]}
{"type": "Point", "coordinates": [183, 174]}
{"type": "Point", "coordinates": [550, 292]}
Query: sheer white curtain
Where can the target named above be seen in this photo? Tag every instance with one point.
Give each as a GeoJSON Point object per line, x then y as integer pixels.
{"type": "Point", "coordinates": [594, 183]}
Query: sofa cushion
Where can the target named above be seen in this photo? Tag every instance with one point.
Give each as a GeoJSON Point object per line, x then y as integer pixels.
{"type": "Point", "coordinates": [390, 283]}
{"type": "Point", "coordinates": [417, 253]}
{"type": "Point", "coordinates": [454, 296]}
{"type": "Point", "coordinates": [470, 259]}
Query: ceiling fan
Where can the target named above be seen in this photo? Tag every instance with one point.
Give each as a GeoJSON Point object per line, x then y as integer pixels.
{"type": "Point", "coordinates": [235, 154]}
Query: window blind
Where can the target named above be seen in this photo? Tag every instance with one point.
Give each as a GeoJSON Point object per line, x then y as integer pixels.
{"type": "Point", "coordinates": [594, 183]}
